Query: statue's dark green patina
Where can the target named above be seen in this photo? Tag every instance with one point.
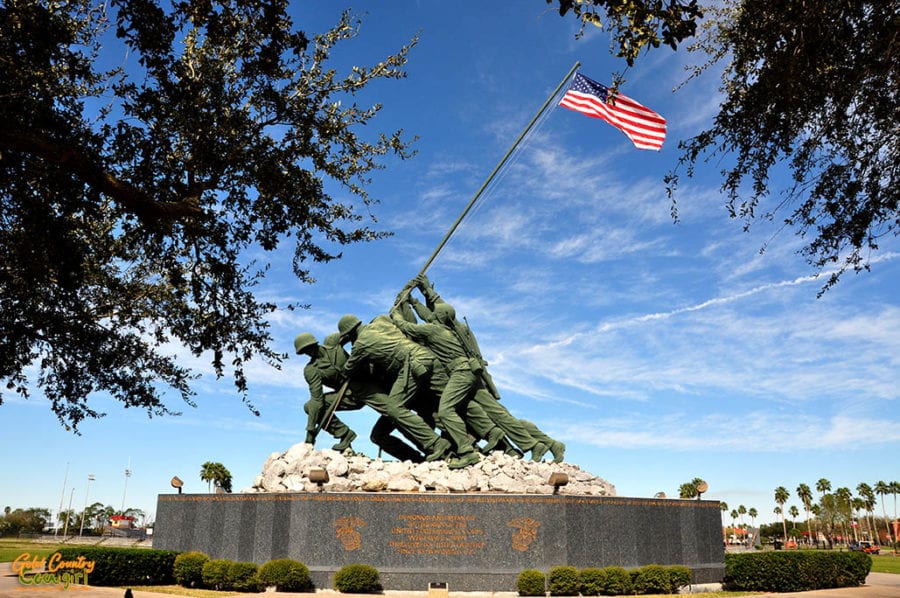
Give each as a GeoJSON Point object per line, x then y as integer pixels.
{"type": "Point", "coordinates": [421, 369]}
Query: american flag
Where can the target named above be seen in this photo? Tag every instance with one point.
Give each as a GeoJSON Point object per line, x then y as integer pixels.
{"type": "Point", "coordinates": [645, 128]}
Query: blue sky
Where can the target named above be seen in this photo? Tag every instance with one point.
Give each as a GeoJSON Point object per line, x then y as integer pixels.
{"type": "Point", "coordinates": [658, 352]}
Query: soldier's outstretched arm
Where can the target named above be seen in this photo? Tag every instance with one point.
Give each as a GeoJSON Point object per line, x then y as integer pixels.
{"type": "Point", "coordinates": [404, 312]}
{"type": "Point", "coordinates": [431, 296]}
{"type": "Point", "coordinates": [425, 314]}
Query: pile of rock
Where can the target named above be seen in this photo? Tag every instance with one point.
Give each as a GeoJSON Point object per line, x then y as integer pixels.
{"type": "Point", "coordinates": [496, 473]}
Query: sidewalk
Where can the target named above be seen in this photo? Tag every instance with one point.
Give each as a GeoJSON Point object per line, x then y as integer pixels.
{"type": "Point", "coordinates": [878, 585]}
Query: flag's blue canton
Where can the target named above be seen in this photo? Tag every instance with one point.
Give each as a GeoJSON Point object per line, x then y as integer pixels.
{"type": "Point", "coordinates": [585, 85]}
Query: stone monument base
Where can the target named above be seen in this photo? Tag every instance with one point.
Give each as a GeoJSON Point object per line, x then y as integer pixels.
{"type": "Point", "coordinates": [471, 542]}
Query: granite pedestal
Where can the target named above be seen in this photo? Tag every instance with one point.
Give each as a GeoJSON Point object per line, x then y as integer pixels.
{"type": "Point", "coordinates": [472, 542]}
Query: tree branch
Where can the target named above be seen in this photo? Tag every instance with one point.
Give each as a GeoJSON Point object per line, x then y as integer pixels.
{"type": "Point", "coordinates": [147, 209]}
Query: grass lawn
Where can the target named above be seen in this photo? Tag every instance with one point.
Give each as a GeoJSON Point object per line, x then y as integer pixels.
{"type": "Point", "coordinates": [886, 563]}
{"type": "Point", "coordinates": [10, 548]}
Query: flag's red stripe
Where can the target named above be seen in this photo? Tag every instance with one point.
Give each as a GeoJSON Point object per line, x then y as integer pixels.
{"type": "Point", "coordinates": [645, 128]}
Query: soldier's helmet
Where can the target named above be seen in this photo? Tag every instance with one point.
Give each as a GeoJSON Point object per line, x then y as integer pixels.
{"type": "Point", "coordinates": [347, 323]}
{"type": "Point", "coordinates": [332, 340]}
{"type": "Point", "coordinates": [303, 341]}
{"type": "Point", "coordinates": [444, 313]}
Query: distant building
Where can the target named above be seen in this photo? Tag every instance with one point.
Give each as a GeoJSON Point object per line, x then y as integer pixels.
{"type": "Point", "coordinates": [122, 522]}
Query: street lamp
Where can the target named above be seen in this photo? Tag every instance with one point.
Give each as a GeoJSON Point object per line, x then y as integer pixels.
{"type": "Point", "coordinates": [91, 478]}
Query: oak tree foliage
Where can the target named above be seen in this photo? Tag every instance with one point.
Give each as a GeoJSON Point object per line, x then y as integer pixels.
{"type": "Point", "coordinates": [812, 88]}
{"type": "Point", "coordinates": [131, 197]}
{"type": "Point", "coordinates": [636, 25]}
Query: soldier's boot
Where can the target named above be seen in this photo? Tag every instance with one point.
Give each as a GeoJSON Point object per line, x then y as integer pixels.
{"type": "Point", "coordinates": [346, 439]}
{"type": "Point", "coordinates": [512, 451]}
{"type": "Point", "coordinates": [559, 451]}
{"type": "Point", "coordinates": [538, 451]}
{"type": "Point", "coordinates": [438, 450]}
{"type": "Point", "coordinates": [495, 437]}
{"type": "Point", "coordinates": [464, 460]}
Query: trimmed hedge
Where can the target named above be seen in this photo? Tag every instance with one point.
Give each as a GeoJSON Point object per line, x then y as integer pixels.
{"type": "Point", "coordinates": [241, 577]}
{"type": "Point", "coordinates": [531, 582]}
{"type": "Point", "coordinates": [287, 575]}
{"type": "Point", "coordinates": [795, 571]}
{"type": "Point", "coordinates": [679, 576]}
{"type": "Point", "coordinates": [563, 581]}
{"type": "Point", "coordinates": [188, 569]}
{"type": "Point", "coordinates": [357, 579]}
{"type": "Point", "coordinates": [215, 574]}
{"type": "Point", "coordinates": [607, 581]}
{"type": "Point", "coordinates": [652, 579]}
{"type": "Point", "coordinates": [124, 566]}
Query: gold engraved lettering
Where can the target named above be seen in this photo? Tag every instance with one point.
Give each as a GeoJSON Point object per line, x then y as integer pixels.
{"type": "Point", "coordinates": [345, 529]}
{"type": "Point", "coordinates": [446, 535]}
{"type": "Point", "coordinates": [526, 534]}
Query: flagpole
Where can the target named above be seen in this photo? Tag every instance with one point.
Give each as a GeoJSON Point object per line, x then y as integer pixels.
{"type": "Point", "coordinates": [342, 391]}
{"type": "Point", "coordinates": [497, 169]}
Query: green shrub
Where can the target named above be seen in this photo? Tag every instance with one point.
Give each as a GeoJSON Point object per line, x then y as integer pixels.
{"type": "Point", "coordinates": [531, 582]}
{"type": "Point", "coordinates": [215, 574]}
{"type": "Point", "coordinates": [188, 569]}
{"type": "Point", "coordinates": [609, 581]}
{"type": "Point", "coordinates": [795, 571]}
{"type": "Point", "coordinates": [679, 576]}
{"type": "Point", "coordinates": [652, 579]}
{"type": "Point", "coordinates": [357, 579]}
{"type": "Point", "coordinates": [590, 581]}
{"type": "Point", "coordinates": [563, 581]}
{"type": "Point", "coordinates": [287, 575]}
{"type": "Point", "coordinates": [241, 577]}
{"type": "Point", "coordinates": [124, 566]}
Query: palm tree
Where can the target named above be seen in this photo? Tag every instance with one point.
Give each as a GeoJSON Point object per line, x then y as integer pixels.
{"type": "Point", "coordinates": [867, 496]}
{"type": "Point", "coordinates": [858, 505]}
{"type": "Point", "coordinates": [208, 474]}
{"type": "Point", "coordinates": [734, 516]}
{"type": "Point", "coordinates": [777, 511]}
{"type": "Point", "coordinates": [753, 515]}
{"type": "Point", "coordinates": [781, 496]}
{"type": "Point", "coordinates": [895, 490]}
{"type": "Point", "coordinates": [692, 489]}
{"type": "Point", "coordinates": [816, 510]}
{"type": "Point", "coordinates": [794, 511]}
{"type": "Point", "coordinates": [723, 506]}
{"type": "Point", "coordinates": [882, 489]}
{"type": "Point", "coordinates": [805, 496]}
{"type": "Point", "coordinates": [823, 486]}
{"type": "Point", "coordinates": [687, 490]}
{"type": "Point", "coordinates": [844, 508]}
{"type": "Point", "coordinates": [216, 473]}
{"type": "Point", "coordinates": [742, 510]}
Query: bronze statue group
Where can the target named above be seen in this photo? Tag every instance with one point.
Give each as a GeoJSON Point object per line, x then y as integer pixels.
{"type": "Point", "coordinates": [421, 370]}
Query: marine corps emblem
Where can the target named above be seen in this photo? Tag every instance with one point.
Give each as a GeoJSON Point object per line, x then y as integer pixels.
{"type": "Point", "coordinates": [526, 534]}
{"type": "Point", "coordinates": [345, 529]}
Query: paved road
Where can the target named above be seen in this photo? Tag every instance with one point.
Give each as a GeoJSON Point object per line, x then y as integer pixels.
{"type": "Point", "coordinates": [878, 585]}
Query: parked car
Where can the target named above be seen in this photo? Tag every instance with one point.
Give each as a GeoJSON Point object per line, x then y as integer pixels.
{"type": "Point", "coordinates": [865, 546]}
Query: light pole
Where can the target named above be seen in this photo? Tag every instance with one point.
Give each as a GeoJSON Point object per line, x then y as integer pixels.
{"type": "Point", "coordinates": [68, 512]}
{"type": "Point", "coordinates": [88, 489]}
{"type": "Point", "coordinates": [127, 475]}
{"type": "Point", "coordinates": [61, 497]}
